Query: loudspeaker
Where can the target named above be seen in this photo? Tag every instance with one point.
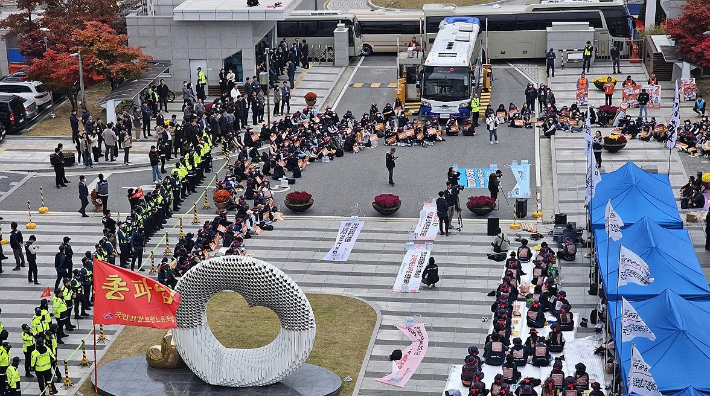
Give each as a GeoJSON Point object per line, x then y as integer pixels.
{"type": "Point", "coordinates": [521, 208]}
{"type": "Point", "coordinates": [561, 218]}
{"type": "Point", "coordinates": [493, 225]}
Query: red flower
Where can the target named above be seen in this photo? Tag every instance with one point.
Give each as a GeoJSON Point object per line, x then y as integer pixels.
{"type": "Point", "coordinates": [298, 198]}
{"type": "Point", "coordinates": [310, 96]}
{"type": "Point", "coordinates": [481, 201]}
{"type": "Point", "coordinates": [221, 196]}
{"type": "Point", "coordinates": [387, 200]}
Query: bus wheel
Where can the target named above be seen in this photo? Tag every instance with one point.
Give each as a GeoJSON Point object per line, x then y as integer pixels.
{"type": "Point", "coordinates": [366, 50]}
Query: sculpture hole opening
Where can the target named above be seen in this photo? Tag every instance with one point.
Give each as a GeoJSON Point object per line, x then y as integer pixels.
{"type": "Point", "coordinates": [236, 325]}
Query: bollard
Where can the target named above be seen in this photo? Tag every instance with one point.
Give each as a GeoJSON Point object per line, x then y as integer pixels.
{"type": "Point", "coordinates": [67, 380]}
{"type": "Point", "coordinates": [30, 225]}
{"type": "Point", "coordinates": [152, 265]}
{"type": "Point", "coordinates": [206, 205]}
{"type": "Point", "coordinates": [84, 361]}
{"type": "Point", "coordinates": [167, 250]}
{"type": "Point", "coordinates": [42, 209]}
{"type": "Point", "coordinates": [181, 234]}
{"type": "Point", "coordinates": [102, 337]}
{"type": "Point", "coordinates": [515, 225]}
{"type": "Point", "coordinates": [195, 220]}
{"type": "Point", "coordinates": [538, 212]}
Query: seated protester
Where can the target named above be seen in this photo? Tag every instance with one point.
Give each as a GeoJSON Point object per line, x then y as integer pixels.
{"type": "Point", "coordinates": [526, 114]}
{"type": "Point", "coordinates": [549, 127]}
{"type": "Point", "coordinates": [505, 390]}
{"type": "Point", "coordinates": [569, 387]}
{"type": "Point", "coordinates": [430, 276]}
{"type": "Point", "coordinates": [510, 372]}
{"type": "Point", "coordinates": [519, 353]}
{"type": "Point", "coordinates": [477, 389]}
{"type": "Point", "coordinates": [539, 272]}
{"type": "Point", "coordinates": [512, 262]}
{"type": "Point", "coordinates": [500, 242]}
{"type": "Point", "coordinates": [698, 199]}
{"type": "Point", "coordinates": [165, 274]}
{"type": "Point", "coordinates": [513, 278]}
{"type": "Point", "coordinates": [558, 302]}
{"type": "Point", "coordinates": [501, 113]}
{"type": "Point", "coordinates": [555, 339]}
{"type": "Point", "coordinates": [631, 128]}
{"type": "Point", "coordinates": [548, 387]}
{"type": "Point", "coordinates": [557, 374]}
{"type": "Point", "coordinates": [468, 371]}
{"type": "Point", "coordinates": [507, 293]}
{"type": "Point", "coordinates": [526, 390]}
{"type": "Point", "coordinates": [546, 253]}
{"type": "Point", "coordinates": [473, 352]}
{"type": "Point", "coordinates": [497, 384]}
{"type": "Point", "coordinates": [524, 252]}
{"type": "Point", "coordinates": [686, 192]}
{"type": "Point", "coordinates": [596, 389]}
{"type": "Point", "coordinates": [536, 317]}
{"type": "Point", "coordinates": [531, 341]}
{"type": "Point", "coordinates": [581, 377]}
{"type": "Point", "coordinates": [566, 319]}
{"type": "Point", "coordinates": [502, 331]}
{"type": "Point", "coordinates": [494, 352]}
{"type": "Point", "coordinates": [568, 232]}
{"type": "Point", "coordinates": [568, 251]}
{"type": "Point", "coordinates": [478, 379]}
{"type": "Point", "coordinates": [540, 355]}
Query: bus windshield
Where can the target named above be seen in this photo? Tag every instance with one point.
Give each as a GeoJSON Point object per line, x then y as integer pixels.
{"type": "Point", "coordinates": [445, 83]}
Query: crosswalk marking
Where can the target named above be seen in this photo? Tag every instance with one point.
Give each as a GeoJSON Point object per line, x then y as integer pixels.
{"type": "Point", "coordinates": [375, 85]}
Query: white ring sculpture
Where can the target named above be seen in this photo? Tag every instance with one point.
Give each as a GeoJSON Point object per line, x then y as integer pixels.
{"type": "Point", "coordinates": [261, 284]}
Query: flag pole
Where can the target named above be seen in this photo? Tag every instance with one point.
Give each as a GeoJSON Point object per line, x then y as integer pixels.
{"type": "Point", "coordinates": [621, 346]}
{"type": "Point", "coordinates": [96, 365]}
{"type": "Point", "coordinates": [606, 293]}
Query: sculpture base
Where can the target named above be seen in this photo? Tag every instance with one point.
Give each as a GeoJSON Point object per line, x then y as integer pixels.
{"type": "Point", "coordinates": [132, 376]}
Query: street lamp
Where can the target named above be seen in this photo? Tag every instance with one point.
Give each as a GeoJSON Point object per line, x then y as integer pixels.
{"type": "Point", "coordinates": [81, 77]}
{"type": "Point", "coordinates": [46, 31]}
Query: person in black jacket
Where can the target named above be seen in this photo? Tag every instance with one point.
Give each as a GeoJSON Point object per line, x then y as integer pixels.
{"type": "Point", "coordinates": [83, 195]}
{"type": "Point", "coordinates": [163, 92]}
{"type": "Point", "coordinates": [430, 276]}
{"type": "Point", "coordinates": [442, 212]}
{"type": "Point", "coordinates": [390, 158]}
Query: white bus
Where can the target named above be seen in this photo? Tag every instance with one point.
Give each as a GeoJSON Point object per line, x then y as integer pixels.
{"type": "Point", "coordinates": [448, 80]}
{"type": "Point", "coordinates": [382, 28]}
{"type": "Point", "coordinates": [518, 31]}
{"type": "Point", "coordinates": [317, 28]}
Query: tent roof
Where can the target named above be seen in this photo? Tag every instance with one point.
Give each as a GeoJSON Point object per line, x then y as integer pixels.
{"type": "Point", "coordinates": [680, 354]}
{"type": "Point", "coordinates": [634, 193]}
{"type": "Point", "coordinates": [669, 254]}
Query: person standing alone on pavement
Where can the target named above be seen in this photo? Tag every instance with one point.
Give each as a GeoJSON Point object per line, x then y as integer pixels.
{"type": "Point", "coordinates": [110, 141]}
{"type": "Point", "coordinates": [31, 251]}
{"type": "Point", "coordinates": [16, 242]}
{"type": "Point", "coordinates": [146, 114]}
{"type": "Point", "coordinates": [643, 99]}
{"type": "Point", "coordinates": [102, 191]}
{"type": "Point", "coordinates": [550, 61]}
{"type": "Point", "coordinates": [608, 91]}
{"type": "Point", "coordinates": [615, 55]}
{"type": "Point", "coordinates": [154, 162]}
{"type": "Point", "coordinates": [492, 125]}
{"type": "Point", "coordinates": [587, 56]}
{"type": "Point", "coordinates": [57, 161]}
{"type": "Point", "coordinates": [494, 183]}
{"type": "Point", "coordinates": [390, 158]}
{"type": "Point", "coordinates": [442, 212]}
{"type": "Point", "coordinates": [83, 195]}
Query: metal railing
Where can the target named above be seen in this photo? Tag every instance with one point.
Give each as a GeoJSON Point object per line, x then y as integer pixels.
{"type": "Point", "coordinates": [322, 53]}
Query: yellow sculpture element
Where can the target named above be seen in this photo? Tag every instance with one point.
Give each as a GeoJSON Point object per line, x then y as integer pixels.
{"type": "Point", "coordinates": [165, 355]}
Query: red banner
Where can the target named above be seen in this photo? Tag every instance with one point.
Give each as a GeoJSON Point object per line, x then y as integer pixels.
{"type": "Point", "coordinates": [126, 298]}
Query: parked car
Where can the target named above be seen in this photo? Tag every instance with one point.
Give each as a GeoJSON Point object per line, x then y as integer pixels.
{"type": "Point", "coordinates": [12, 113]}
{"type": "Point", "coordinates": [31, 108]}
{"type": "Point", "coordinates": [28, 90]}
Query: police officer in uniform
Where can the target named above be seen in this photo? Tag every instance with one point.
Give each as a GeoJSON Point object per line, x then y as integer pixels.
{"type": "Point", "coordinates": [61, 313]}
{"type": "Point", "coordinates": [124, 244]}
{"type": "Point", "coordinates": [587, 55]}
{"type": "Point", "coordinates": [42, 365]}
{"type": "Point", "coordinates": [87, 279]}
{"type": "Point", "coordinates": [13, 378]}
{"type": "Point", "coordinates": [4, 363]}
{"type": "Point", "coordinates": [77, 290]}
{"type": "Point", "coordinates": [28, 346]}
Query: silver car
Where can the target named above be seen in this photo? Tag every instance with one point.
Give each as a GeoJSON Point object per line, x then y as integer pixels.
{"type": "Point", "coordinates": [30, 108]}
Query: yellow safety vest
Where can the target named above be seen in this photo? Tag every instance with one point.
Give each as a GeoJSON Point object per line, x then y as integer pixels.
{"type": "Point", "coordinates": [587, 51]}
{"type": "Point", "coordinates": [58, 305]}
{"type": "Point", "coordinates": [27, 341]}
{"type": "Point", "coordinates": [4, 357]}
{"type": "Point", "coordinates": [42, 361]}
{"type": "Point", "coordinates": [13, 378]}
{"type": "Point", "coordinates": [38, 325]}
{"type": "Point", "coordinates": [201, 77]}
{"type": "Point", "coordinates": [475, 102]}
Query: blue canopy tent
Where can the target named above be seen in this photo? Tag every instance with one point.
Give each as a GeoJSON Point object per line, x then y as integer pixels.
{"type": "Point", "coordinates": [634, 193]}
{"type": "Point", "coordinates": [669, 254]}
{"type": "Point", "coordinates": [689, 391]}
{"type": "Point", "coordinates": [680, 354]}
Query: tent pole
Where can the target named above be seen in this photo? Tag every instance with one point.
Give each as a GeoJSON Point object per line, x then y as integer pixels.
{"type": "Point", "coordinates": [669, 162]}
{"type": "Point", "coordinates": [614, 384]}
{"type": "Point", "coordinates": [606, 293]}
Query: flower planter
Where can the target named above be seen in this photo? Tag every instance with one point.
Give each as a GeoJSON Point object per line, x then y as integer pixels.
{"type": "Point", "coordinates": [98, 205]}
{"type": "Point", "coordinates": [612, 148]}
{"type": "Point", "coordinates": [480, 210]}
{"type": "Point", "coordinates": [298, 208]}
{"type": "Point", "coordinates": [221, 206]}
{"type": "Point", "coordinates": [311, 102]}
{"type": "Point", "coordinates": [385, 211]}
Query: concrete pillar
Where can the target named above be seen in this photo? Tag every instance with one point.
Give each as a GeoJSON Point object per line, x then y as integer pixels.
{"type": "Point", "coordinates": [341, 46]}
{"type": "Point", "coordinates": [650, 18]}
{"type": "Point", "coordinates": [110, 107]}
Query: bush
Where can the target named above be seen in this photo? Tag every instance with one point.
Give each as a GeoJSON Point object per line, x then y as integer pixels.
{"type": "Point", "coordinates": [706, 177]}
{"type": "Point", "coordinates": [310, 96]}
{"type": "Point", "coordinates": [602, 80]}
{"type": "Point", "coordinates": [387, 200]}
{"type": "Point", "coordinates": [221, 196]}
{"type": "Point", "coordinates": [481, 201]}
{"type": "Point", "coordinates": [608, 109]}
{"type": "Point", "coordinates": [298, 198]}
{"type": "Point", "coordinates": [611, 140]}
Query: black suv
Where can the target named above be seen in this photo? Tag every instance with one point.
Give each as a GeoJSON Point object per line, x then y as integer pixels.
{"type": "Point", "coordinates": [12, 113]}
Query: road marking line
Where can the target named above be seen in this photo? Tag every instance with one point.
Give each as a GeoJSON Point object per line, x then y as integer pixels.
{"type": "Point", "coordinates": [375, 85]}
{"type": "Point", "coordinates": [16, 186]}
{"type": "Point", "coordinates": [303, 74]}
{"type": "Point", "coordinates": [357, 85]}
{"type": "Point", "coordinates": [350, 80]}
{"type": "Point", "coordinates": [392, 85]}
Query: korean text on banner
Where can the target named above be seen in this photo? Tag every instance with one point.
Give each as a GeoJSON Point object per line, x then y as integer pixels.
{"type": "Point", "coordinates": [640, 380]}
{"type": "Point", "coordinates": [630, 94]}
{"type": "Point", "coordinates": [521, 173]}
{"type": "Point", "coordinates": [690, 90]}
{"type": "Point", "coordinates": [409, 277]}
{"type": "Point", "coordinates": [612, 222]}
{"type": "Point", "coordinates": [582, 96]}
{"type": "Point", "coordinates": [654, 96]}
{"type": "Point", "coordinates": [428, 224]}
{"type": "Point", "coordinates": [632, 268]}
{"type": "Point", "coordinates": [412, 356]}
{"type": "Point", "coordinates": [674, 123]}
{"type": "Point", "coordinates": [632, 325]}
{"type": "Point", "coordinates": [475, 177]}
{"type": "Point", "coordinates": [126, 298]}
{"type": "Point", "coordinates": [345, 241]}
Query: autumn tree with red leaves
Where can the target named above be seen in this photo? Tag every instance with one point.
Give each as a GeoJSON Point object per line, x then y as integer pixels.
{"type": "Point", "coordinates": [59, 72]}
{"type": "Point", "coordinates": [688, 32]}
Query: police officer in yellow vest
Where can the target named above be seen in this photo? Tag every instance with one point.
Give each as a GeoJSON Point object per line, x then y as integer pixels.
{"type": "Point", "coordinates": [201, 83]}
{"type": "Point", "coordinates": [587, 55]}
{"type": "Point", "coordinates": [42, 365]}
{"type": "Point", "coordinates": [28, 346]}
{"type": "Point", "coordinates": [13, 378]}
{"type": "Point", "coordinates": [61, 314]}
{"type": "Point", "coordinates": [4, 362]}
{"type": "Point", "coordinates": [475, 109]}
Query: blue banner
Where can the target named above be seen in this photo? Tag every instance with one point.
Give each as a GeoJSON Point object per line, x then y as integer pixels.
{"type": "Point", "coordinates": [521, 172]}
{"type": "Point", "coordinates": [475, 177]}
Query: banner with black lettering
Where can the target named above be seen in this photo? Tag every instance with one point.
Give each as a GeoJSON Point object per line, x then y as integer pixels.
{"type": "Point", "coordinates": [632, 325]}
{"type": "Point", "coordinates": [640, 380]}
{"type": "Point", "coordinates": [632, 268]}
{"type": "Point", "coordinates": [409, 277]}
{"type": "Point", "coordinates": [345, 241]}
{"type": "Point", "coordinates": [428, 224]}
